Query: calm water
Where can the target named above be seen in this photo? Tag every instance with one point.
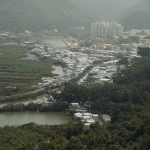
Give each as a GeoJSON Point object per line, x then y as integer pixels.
{"type": "Point", "coordinates": [47, 40]}
{"type": "Point", "coordinates": [19, 118]}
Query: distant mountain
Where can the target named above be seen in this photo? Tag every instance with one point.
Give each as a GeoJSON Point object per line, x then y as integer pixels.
{"type": "Point", "coordinates": [19, 15]}
{"type": "Point", "coordinates": [137, 16]}
{"type": "Point", "coordinates": [137, 20]}
{"type": "Point", "coordinates": [104, 9]}
{"type": "Point", "coordinates": [40, 14]}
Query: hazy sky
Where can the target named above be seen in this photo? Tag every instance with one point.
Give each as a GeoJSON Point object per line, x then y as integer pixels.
{"type": "Point", "coordinates": [126, 3]}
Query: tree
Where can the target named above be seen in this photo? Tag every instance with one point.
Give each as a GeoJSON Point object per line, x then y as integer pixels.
{"type": "Point", "coordinates": [123, 61]}
{"type": "Point", "coordinates": [76, 93]}
{"type": "Point", "coordinates": [144, 51]}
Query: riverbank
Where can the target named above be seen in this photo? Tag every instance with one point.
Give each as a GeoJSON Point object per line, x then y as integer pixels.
{"type": "Point", "coordinates": [41, 105]}
{"type": "Point", "coordinates": [50, 41]}
{"type": "Point", "coordinates": [70, 43]}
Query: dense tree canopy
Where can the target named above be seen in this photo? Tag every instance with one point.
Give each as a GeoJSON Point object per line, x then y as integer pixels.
{"type": "Point", "coordinates": [143, 51]}
{"type": "Point", "coordinates": [76, 93]}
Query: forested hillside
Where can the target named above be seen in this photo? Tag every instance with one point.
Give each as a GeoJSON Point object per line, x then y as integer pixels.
{"type": "Point", "coordinates": [137, 17]}
{"type": "Point", "coordinates": [104, 9]}
{"type": "Point", "coordinates": [19, 15]}
{"type": "Point", "coordinates": [137, 20]}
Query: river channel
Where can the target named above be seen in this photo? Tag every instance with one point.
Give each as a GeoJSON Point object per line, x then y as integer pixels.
{"type": "Point", "coordinates": [50, 42]}
{"type": "Point", "coordinates": [47, 40]}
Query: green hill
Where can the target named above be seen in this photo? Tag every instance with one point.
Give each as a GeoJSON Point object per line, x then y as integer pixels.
{"type": "Point", "coordinates": [137, 20]}
{"type": "Point", "coordinates": [104, 9]}
{"type": "Point", "coordinates": [137, 17]}
{"type": "Point", "coordinates": [19, 15]}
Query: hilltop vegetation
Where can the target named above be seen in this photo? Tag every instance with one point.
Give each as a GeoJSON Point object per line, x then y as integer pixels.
{"type": "Point", "coordinates": [137, 20]}
{"type": "Point", "coordinates": [99, 8]}
{"type": "Point", "coordinates": [18, 15]}
{"type": "Point", "coordinates": [35, 15]}
{"type": "Point", "coordinates": [137, 17]}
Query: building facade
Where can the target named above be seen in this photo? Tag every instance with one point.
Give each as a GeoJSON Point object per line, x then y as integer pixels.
{"type": "Point", "coordinates": [106, 29]}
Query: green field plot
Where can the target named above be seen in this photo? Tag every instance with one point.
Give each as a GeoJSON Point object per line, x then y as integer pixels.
{"type": "Point", "coordinates": [18, 76]}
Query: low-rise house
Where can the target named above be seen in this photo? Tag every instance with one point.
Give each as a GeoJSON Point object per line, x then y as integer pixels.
{"type": "Point", "coordinates": [87, 114]}
{"type": "Point", "coordinates": [85, 118]}
{"type": "Point", "coordinates": [106, 118]}
{"type": "Point", "coordinates": [104, 80]}
{"type": "Point", "coordinates": [92, 121]}
{"type": "Point", "coordinates": [95, 117]}
{"type": "Point", "coordinates": [40, 85]}
{"type": "Point", "coordinates": [78, 116]}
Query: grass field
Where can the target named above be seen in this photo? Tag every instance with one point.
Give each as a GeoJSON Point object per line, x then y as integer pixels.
{"type": "Point", "coordinates": [18, 76]}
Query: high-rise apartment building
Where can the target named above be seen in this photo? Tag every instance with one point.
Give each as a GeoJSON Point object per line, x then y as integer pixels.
{"type": "Point", "coordinates": [94, 29]}
{"type": "Point", "coordinates": [106, 29]}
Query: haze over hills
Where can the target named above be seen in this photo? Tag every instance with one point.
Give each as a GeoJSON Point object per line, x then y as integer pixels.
{"type": "Point", "coordinates": [104, 9]}
{"type": "Point", "coordinates": [18, 15]}
{"type": "Point", "coordinates": [36, 14]}
{"type": "Point", "coordinates": [141, 6]}
{"type": "Point", "coordinates": [137, 17]}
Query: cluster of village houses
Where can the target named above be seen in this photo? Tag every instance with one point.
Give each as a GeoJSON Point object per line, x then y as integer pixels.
{"type": "Point", "coordinates": [99, 63]}
{"type": "Point", "coordinates": [88, 118]}
{"type": "Point", "coordinates": [77, 62]}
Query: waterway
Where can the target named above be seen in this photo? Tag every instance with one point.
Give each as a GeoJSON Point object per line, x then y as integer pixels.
{"type": "Point", "coordinates": [50, 118]}
{"type": "Point", "coordinates": [47, 40]}
{"type": "Point", "coordinates": [50, 42]}
{"type": "Point", "coordinates": [84, 77]}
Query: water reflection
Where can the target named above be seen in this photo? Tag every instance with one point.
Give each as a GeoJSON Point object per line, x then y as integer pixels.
{"type": "Point", "coordinates": [19, 118]}
{"type": "Point", "coordinates": [47, 40]}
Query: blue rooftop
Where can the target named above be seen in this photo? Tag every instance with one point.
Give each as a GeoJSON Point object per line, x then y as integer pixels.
{"type": "Point", "coordinates": [86, 117]}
